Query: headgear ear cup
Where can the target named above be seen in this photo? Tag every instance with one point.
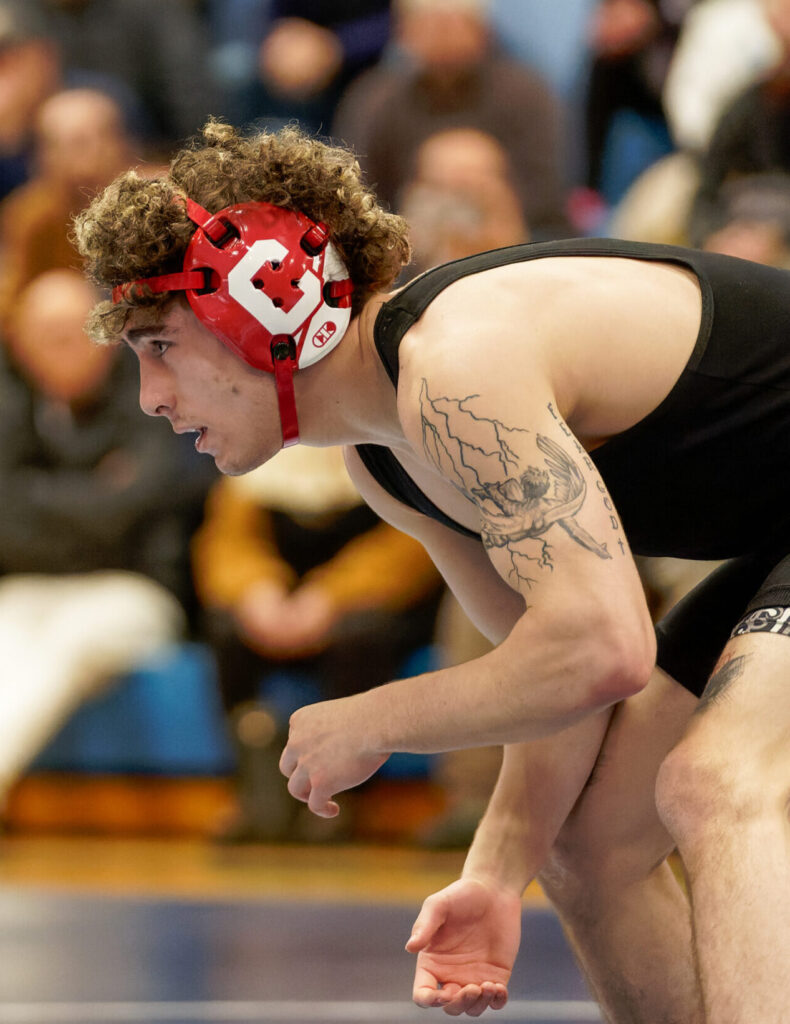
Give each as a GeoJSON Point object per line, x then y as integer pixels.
{"type": "Point", "coordinates": [269, 284]}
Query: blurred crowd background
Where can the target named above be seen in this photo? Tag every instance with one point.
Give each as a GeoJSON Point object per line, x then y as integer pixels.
{"type": "Point", "coordinates": [158, 624]}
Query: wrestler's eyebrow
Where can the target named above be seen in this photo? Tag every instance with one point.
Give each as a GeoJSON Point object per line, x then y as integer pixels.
{"type": "Point", "coordinates": [135, 334]}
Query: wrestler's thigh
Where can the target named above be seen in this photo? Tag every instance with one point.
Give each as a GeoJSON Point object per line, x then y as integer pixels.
{"type": "Point", "coordinates": [746, 702]}
{"type": "Point", "coordinates": [615, 825]}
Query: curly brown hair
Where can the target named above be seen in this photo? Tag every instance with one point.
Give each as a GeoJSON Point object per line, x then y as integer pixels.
{"type": "Point", "coordinates": [136, 228]}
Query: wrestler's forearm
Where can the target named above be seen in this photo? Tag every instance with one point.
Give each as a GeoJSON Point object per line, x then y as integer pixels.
{"type": "Point", "coordinates": [538, 785]}
{"type": "Point", "coordinates": [544, 678]}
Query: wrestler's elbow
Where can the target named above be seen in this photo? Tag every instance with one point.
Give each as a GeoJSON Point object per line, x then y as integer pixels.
{"type": "Point", "coordinates": [622, 657]}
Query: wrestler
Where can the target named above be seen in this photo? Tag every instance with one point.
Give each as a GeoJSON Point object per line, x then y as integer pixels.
{"type": "Point", "coordinates": [533, 416]}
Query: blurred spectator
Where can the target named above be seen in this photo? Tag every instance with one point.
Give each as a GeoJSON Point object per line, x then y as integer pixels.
{"type": "Point", "coordinates": [461, 198]}
{"type": "Point", "coordinates": [312, 51]}
{"type": "Point", "coordinates": [724, 46]}
{"type": "Point", "coordinates": [153, 55]}
{"type": "Point", "coordinates": [657, 206]}
{"type": "Point", "coordinates": [93, 532]}
{"type": "Point", "coordinates": [754, 220]}
{"type": "Point", "coordinates": [451, 76]}
{"type": "Point", "coordinates": [632, 43]}
{"type": "Point", "coordinates": [752, 137]}
{"type": "Point", "coordinates": [307, 596]}
{"type": "Point", "coordinates": [551, 38]}
{"type": "Point", "coordinates": [236, 29]}
{"type": "Point", "coordinates": [286, 60]}
{"type": "Point", "coordinates": [80, 145]}
{"type": "Point", "coordinates": [29, 72]}
{"type": "Point", "coordinates": [750, 217]}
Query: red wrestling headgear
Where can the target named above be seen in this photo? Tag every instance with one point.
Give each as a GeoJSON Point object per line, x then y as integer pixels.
{"type": "Point", "coordinates": [269, 284]}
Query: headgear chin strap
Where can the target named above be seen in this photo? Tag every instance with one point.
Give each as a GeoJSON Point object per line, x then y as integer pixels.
{"type": "Point", "coordinates": [269, 284]}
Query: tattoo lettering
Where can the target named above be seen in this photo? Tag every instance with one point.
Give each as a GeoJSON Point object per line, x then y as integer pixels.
{"type": "Point", "coordinates": [520, 508]}
{"type": "Point", "coordinates": [721, 680]}
{"type": "Point", "coordinates": [614, 522]}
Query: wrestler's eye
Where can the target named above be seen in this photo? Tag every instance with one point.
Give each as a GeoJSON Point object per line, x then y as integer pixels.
{"type": "Point", "coordinates": [158, 347]}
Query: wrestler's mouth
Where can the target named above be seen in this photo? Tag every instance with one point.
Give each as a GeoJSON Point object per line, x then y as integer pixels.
{"type": "Point", "coordinates": [199, 431]}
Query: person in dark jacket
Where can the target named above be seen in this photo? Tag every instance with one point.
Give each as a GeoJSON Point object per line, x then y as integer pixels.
{"type": "Point", "coordinates": [94, 568]}
{"type": "Point", "coordinates": [452, 75]}
{"type": "Point", "coordinates": [305, 55]}
{"type": "Point", "coordinates": [751, 141]}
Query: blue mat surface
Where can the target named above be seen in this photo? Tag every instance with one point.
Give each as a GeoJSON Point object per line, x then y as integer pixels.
{"type": "Point", "coordinates": [66, 959]}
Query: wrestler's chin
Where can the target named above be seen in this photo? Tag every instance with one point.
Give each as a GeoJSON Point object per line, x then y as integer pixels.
{"type": "Point", "coordinates": [237, 464]}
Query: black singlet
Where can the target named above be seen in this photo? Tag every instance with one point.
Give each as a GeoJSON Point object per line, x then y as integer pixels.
{"type": "Point", "coordinates": [705, 474]}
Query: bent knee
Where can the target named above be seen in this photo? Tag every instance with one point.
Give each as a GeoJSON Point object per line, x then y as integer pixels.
{"type": "Point", "coordinates": [707, 784]}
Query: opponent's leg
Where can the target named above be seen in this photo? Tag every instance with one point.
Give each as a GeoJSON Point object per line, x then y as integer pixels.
{"type": "Point", "coordinates": [623, 911]}
{"type": "Point", "coordinates": [723, 792]}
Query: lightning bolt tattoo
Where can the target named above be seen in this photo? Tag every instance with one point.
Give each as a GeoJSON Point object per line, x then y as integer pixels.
{"type": "Point", "coordinates": [518, 504]}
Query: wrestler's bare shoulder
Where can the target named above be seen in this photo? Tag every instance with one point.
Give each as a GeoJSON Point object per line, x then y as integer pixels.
{"type": "Point", "coordinates": [607, 337]}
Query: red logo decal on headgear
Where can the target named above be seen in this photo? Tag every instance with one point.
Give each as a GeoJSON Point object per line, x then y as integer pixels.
{"type": "Point", "coordinates": [324, 334]}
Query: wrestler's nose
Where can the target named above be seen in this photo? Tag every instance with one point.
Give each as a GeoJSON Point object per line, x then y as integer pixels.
{"type": "Point", "coordinates": [156, 397]}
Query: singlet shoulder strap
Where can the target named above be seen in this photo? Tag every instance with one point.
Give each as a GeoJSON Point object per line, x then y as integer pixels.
{"type": "Point", "coordinates": [388, 472]}
{"type": "Point", "coordinates": [400, 313]}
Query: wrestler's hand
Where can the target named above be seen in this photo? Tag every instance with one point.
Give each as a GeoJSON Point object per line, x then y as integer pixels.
{"type": "Point", "coordinates": [466, 938]}
{"type": "Point", "coordinates": [327, 752]}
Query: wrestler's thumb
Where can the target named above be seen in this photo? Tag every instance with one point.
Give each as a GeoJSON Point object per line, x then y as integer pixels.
{"type": "Point", "coordinates": [424, 928]}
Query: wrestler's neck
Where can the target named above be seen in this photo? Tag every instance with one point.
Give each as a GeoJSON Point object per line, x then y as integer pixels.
{"type": "Point", "coordinates": [347, 397]}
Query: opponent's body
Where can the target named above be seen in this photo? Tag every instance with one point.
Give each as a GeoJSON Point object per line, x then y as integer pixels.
{"type": "Point", "coordinates": [506, 379]}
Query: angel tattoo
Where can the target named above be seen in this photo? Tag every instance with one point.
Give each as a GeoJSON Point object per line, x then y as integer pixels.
{"type": "Point", "coordinates": [527, 509]}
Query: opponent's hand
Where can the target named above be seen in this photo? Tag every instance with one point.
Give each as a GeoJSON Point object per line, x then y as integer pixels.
{"type": "Point", "coordinates": [327, 752]}
{"type": "Point", "coordinates": [466, 938]}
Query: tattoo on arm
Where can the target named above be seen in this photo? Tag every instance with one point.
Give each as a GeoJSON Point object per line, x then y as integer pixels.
{"type": "Point", "coordinates": [721, 680]}
{"type": "Point", "coordinates": [519, 501]}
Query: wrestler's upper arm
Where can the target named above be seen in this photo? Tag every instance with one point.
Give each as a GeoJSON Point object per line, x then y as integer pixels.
{"type": "Point", "coordinates": [547, 521]}
{"type": "Point", "coordinates": [490, 604]}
